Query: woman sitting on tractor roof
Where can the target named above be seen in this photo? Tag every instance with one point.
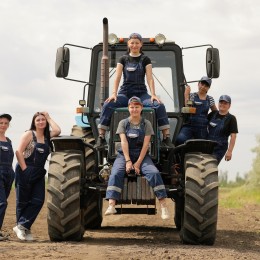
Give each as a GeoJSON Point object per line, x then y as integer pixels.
{"type": "Point", "coordinates": [134, 66]}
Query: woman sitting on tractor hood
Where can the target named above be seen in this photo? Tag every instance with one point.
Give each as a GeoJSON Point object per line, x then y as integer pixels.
{"type": "Point", "coordinates": [135, 134]}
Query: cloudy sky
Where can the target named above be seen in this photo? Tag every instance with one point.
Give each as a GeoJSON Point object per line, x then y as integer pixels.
{"type": "Point", "coordinates": [31, 32]}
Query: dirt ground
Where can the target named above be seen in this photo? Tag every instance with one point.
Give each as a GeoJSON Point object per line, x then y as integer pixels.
{"type": "Point", "coordinates": [138, 237]}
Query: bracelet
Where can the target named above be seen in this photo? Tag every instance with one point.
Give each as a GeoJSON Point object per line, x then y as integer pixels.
{"type": "Point", "coordinates": [128, 161]}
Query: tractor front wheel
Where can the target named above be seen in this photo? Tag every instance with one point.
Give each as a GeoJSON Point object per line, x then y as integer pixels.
{"type": "Point", "coordinates": [201, 199]}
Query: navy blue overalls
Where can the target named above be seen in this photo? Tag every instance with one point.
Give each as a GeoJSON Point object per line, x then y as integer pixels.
{"type": "Point", "coordinates": [196, 125]}
{"type": "Point", "coordinates": [135, 138]}
{"type": "Point", "coordinates": [6, 175]}
{"type": "Point", "coordinates": [216, 133]}
{"type": "Point", "coordinates": [30, 185]}
{"type": "Point", "coordinates": [133, 85]}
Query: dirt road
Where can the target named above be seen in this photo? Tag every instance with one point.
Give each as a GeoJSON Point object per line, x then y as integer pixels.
{"type": "Point", "coordinates": [139, 237]}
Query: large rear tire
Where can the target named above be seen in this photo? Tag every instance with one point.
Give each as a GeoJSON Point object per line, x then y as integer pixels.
{"type": "Point", "coordinates": [65, 220]}
{"type": "Point", "coordinates": [201, 199]}
{"type": "Point", "coordinates": [92, 201]}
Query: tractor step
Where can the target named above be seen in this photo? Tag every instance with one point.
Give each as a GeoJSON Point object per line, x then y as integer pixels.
{"type": "Point", "coordinates": [148, 211]}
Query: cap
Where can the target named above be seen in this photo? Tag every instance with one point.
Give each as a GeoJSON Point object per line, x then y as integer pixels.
{"type": "Point", "coordinates": [135, 35]}
{"type": "Point", "coordinates": [135, 100]}
{"type": "Point", "coordinates": [207, 80]}
{"type": "Point", "coordinates": [4, 115]}
{"type": "Point", "coordinates": [226, 98]}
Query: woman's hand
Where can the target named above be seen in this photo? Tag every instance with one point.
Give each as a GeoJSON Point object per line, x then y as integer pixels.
{"type": "Point", "coordinates": [228, 156]}
{"type": "Point", "coordinates": [187, 90]}
{"type": "Point", "coordinates": [154, 97]}
{"type": "Point", "coordinates": [24, 168]}
{"type": "Point", "coordinates": [46, 115]}
{"type": "Point", "coordinates": [136, 167]}
{"type": "Point", "coordinates": [111, 98]}
{"type": "Point", "coordinates": [187, 94]}
{"type": "Point", "coordinates": [128, 166]}
{"type": "Point", "coordinates": [55, 129]}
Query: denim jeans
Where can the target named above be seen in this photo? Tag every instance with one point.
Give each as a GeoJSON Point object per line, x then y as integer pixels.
{"type": "Point", "coordinates": [148, 169]}
{"type": "Point", "coordinates": [122, 101]}
{"type": "Point", "coordinates": [30, 194]}
{"type": "Point", "coordinates": [191, 132]}
{"type": "Point", "coordinates": [6, 181]}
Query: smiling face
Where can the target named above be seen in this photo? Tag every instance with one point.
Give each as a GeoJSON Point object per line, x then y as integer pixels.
{"type": "Point", "coordinates": [203, 87]}
{"type": "Point", "coordinates": [40, 122]}
{"type": "Point", "coordinates": [135, 46]}
{"type": "Point", "coordinates": [4, 124]}
{"type": "Point", "coordinates": [223, 106]}
{"type": "Point", "coordinates": [135, 109]}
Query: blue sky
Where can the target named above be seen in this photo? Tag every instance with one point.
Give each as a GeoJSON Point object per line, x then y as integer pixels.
{"type": "Point", "coordinates": [31, 32]}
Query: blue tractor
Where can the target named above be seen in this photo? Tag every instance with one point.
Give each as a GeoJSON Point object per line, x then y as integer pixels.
{"type": "Point", "coordinates": [78, 172]}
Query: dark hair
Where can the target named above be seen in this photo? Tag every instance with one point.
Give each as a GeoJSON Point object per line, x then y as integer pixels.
{"type": "Point", "coordinates": [46, 129]}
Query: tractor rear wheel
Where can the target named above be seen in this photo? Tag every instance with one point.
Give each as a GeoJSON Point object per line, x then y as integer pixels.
{"type": "Point", "coordinates": [201, 199]}
{"type": "Point", "coordinates": [65, 218]}
{"type": "Point", "coordinates": [92, 202]}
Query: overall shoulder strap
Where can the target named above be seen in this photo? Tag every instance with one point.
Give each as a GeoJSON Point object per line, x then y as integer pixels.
{"type": "Point", "coordinates": [126, 122]}
{"type": "Point", "coordinates": [34, 136]}
{"type": "Point", "coordinates": [142, 57]}
{"type": "Point", "coordinates": [126, 57]}
{"type": "Point", "coordinates": [228, 115]}
{"type": "Point", "coordinates": [142, 124]}
{"type": "Point", "coordinates": [8, 140]}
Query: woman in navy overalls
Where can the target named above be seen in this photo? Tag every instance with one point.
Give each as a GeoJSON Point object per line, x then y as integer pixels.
{"type": "Point", "coordinates": [196, 125]}
{"type": "Point", "coordinates": [134, 66]}
{"type": "Point", "coordinates": [32, 153]}
{"type": "Point", "coordinates": [6, 168]}
{"type": "Point", "coordinates": [222, 124]}
{"type": "Point", "coordinates": [135, 134]}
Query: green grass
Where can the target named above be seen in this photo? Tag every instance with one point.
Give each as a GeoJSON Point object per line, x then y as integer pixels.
{"type": "Point", "coordinates": [238, 197]}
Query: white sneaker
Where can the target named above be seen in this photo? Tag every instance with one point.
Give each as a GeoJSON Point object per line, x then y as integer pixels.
{"type": "Point", "coordinates": [28, 235]}
{"type": "Point", "coordinates": [110, 210]}
{"type": "Point", "coordinates": [20, 232]}
{"type": "Point", "coordinates": [165, 213]}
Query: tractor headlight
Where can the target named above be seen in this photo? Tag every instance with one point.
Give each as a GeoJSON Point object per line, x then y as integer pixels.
{"type": "Point", "coordinates": [112, 39]}
{"type": "Point", "coordinates": [160, 39]}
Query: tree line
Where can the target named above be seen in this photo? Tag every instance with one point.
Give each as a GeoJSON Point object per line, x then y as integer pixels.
{"type": "Point", "coordinates": [252, 178]}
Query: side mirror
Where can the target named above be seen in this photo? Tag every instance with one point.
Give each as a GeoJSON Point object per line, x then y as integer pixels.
{"type": "Point", "coordinates": [62, 62]}
{"type": "Point", "coordinates": [212, 62]}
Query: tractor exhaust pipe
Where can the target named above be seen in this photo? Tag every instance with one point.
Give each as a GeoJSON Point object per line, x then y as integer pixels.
{"type": "Point", "coordinates": [104, 88]}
